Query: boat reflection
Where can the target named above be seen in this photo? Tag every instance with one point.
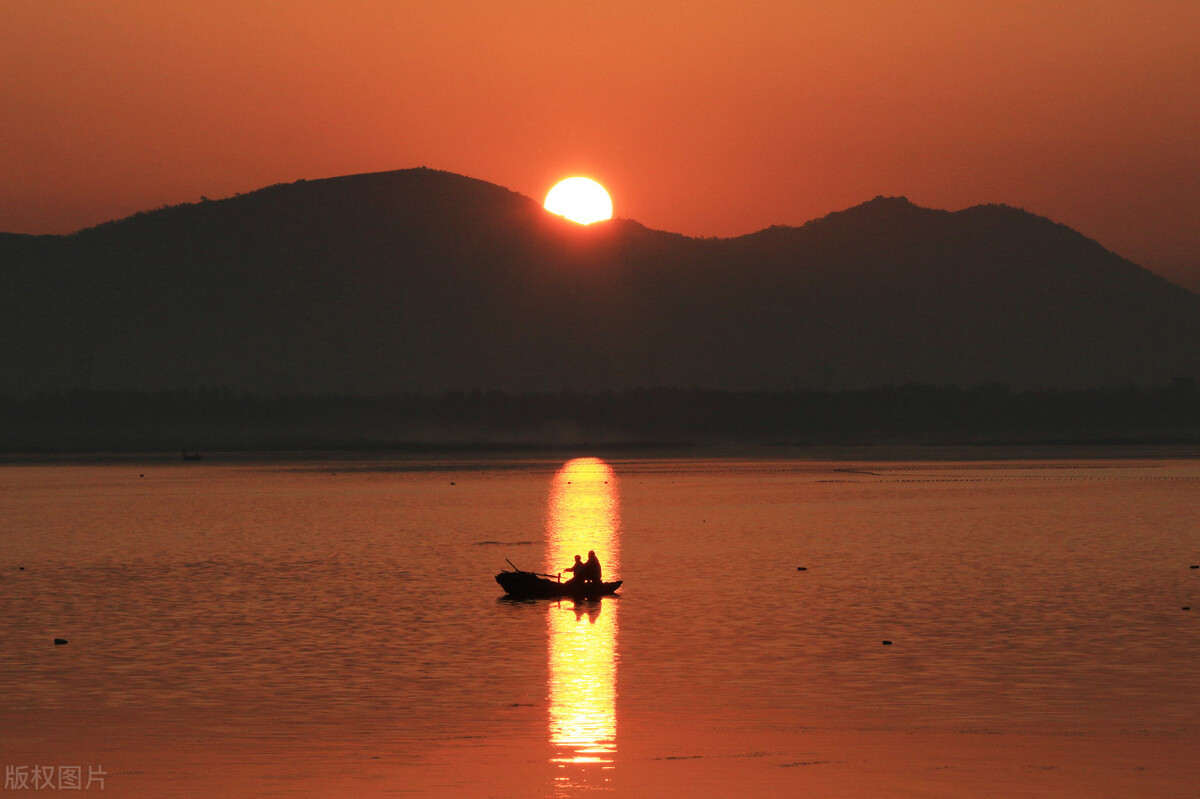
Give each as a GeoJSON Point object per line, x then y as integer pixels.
{"type": "Point", "coordinates": [583, 514]}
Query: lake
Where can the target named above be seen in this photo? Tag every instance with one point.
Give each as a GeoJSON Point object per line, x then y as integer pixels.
{"type": "Point", "coordinates": [787, 627]}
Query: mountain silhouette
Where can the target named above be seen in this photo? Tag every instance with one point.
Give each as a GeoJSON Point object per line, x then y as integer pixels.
{"type": "Point", "coordinates": [421, 281]}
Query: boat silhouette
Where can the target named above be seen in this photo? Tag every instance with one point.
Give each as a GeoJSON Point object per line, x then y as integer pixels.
{"type": "Point", "coordinates": [521, 584]}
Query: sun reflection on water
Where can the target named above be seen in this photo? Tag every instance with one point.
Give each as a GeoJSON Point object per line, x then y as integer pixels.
{"type": "Point", "coordinates": [583, 514]}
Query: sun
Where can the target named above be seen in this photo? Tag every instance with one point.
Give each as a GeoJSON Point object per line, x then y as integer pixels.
{"type": "Point", "coordinates": [581, 200]}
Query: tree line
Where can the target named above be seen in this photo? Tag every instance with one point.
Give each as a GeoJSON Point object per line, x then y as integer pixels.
{"type": "Point", "coordinates": [93, 421]}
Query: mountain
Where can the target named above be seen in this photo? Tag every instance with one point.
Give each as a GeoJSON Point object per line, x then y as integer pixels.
{"type": "Point", "coordinates": [420, 280]}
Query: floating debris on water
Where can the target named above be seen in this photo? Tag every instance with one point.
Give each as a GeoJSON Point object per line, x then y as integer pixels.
{"type": "Point", "coordinates": [887, 643]}
{"type": "Point", "coordinates": [801, 568]}
{"type": "Point", "coordinates": [59, 641]}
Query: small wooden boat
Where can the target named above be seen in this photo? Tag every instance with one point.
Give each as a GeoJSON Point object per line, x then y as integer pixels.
{"type": "Point", "coordinates": [528, 585]}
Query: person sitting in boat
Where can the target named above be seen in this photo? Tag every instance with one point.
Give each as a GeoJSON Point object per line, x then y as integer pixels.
{"type": "Point", "coordinates": [591, 568]}
{"type": "Point", "coordinates": [579, 569]}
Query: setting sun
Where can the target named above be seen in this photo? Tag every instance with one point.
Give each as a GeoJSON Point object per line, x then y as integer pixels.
{"type": "Point", "coordinates": [581, 200]}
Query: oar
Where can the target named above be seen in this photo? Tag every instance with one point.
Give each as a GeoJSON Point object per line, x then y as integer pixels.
{"type": "Point", "coordinates": [539, 574]}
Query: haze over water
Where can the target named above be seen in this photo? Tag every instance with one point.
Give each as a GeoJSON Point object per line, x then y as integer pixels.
{"type": "Point", "coordinates": [310, 628]}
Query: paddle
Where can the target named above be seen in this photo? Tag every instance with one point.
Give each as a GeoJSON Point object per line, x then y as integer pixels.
{"type": "Point", "coordinates": [539, 574]}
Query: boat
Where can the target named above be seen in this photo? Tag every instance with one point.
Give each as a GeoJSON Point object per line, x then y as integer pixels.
{"type": "Point", "coordinates": [530, 585]}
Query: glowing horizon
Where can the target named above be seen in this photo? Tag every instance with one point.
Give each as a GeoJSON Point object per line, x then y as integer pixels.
{"type": "Point", "coordinates": [775, 113]}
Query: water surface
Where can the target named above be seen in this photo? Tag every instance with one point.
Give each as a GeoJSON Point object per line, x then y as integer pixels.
{"type": "Point", "coordinates": [307, 628]}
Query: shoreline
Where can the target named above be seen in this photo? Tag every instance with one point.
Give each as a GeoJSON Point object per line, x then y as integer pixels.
{"type": "Point", "coordinates": [480, 451]}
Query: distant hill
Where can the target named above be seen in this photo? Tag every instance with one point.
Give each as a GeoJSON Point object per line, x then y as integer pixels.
{"type": "Point", "coordinates": [420, 281]}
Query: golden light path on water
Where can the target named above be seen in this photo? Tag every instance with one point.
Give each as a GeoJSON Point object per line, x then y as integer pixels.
{"type": "Point", "coordinates": [583, 514]}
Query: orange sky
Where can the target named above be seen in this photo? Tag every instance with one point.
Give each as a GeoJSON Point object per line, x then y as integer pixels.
{"type": "Point", "coordinates": [705, 117]}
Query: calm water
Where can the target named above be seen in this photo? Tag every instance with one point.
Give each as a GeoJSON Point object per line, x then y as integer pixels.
{"type": "Point", "coordinates": [298, 628]}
